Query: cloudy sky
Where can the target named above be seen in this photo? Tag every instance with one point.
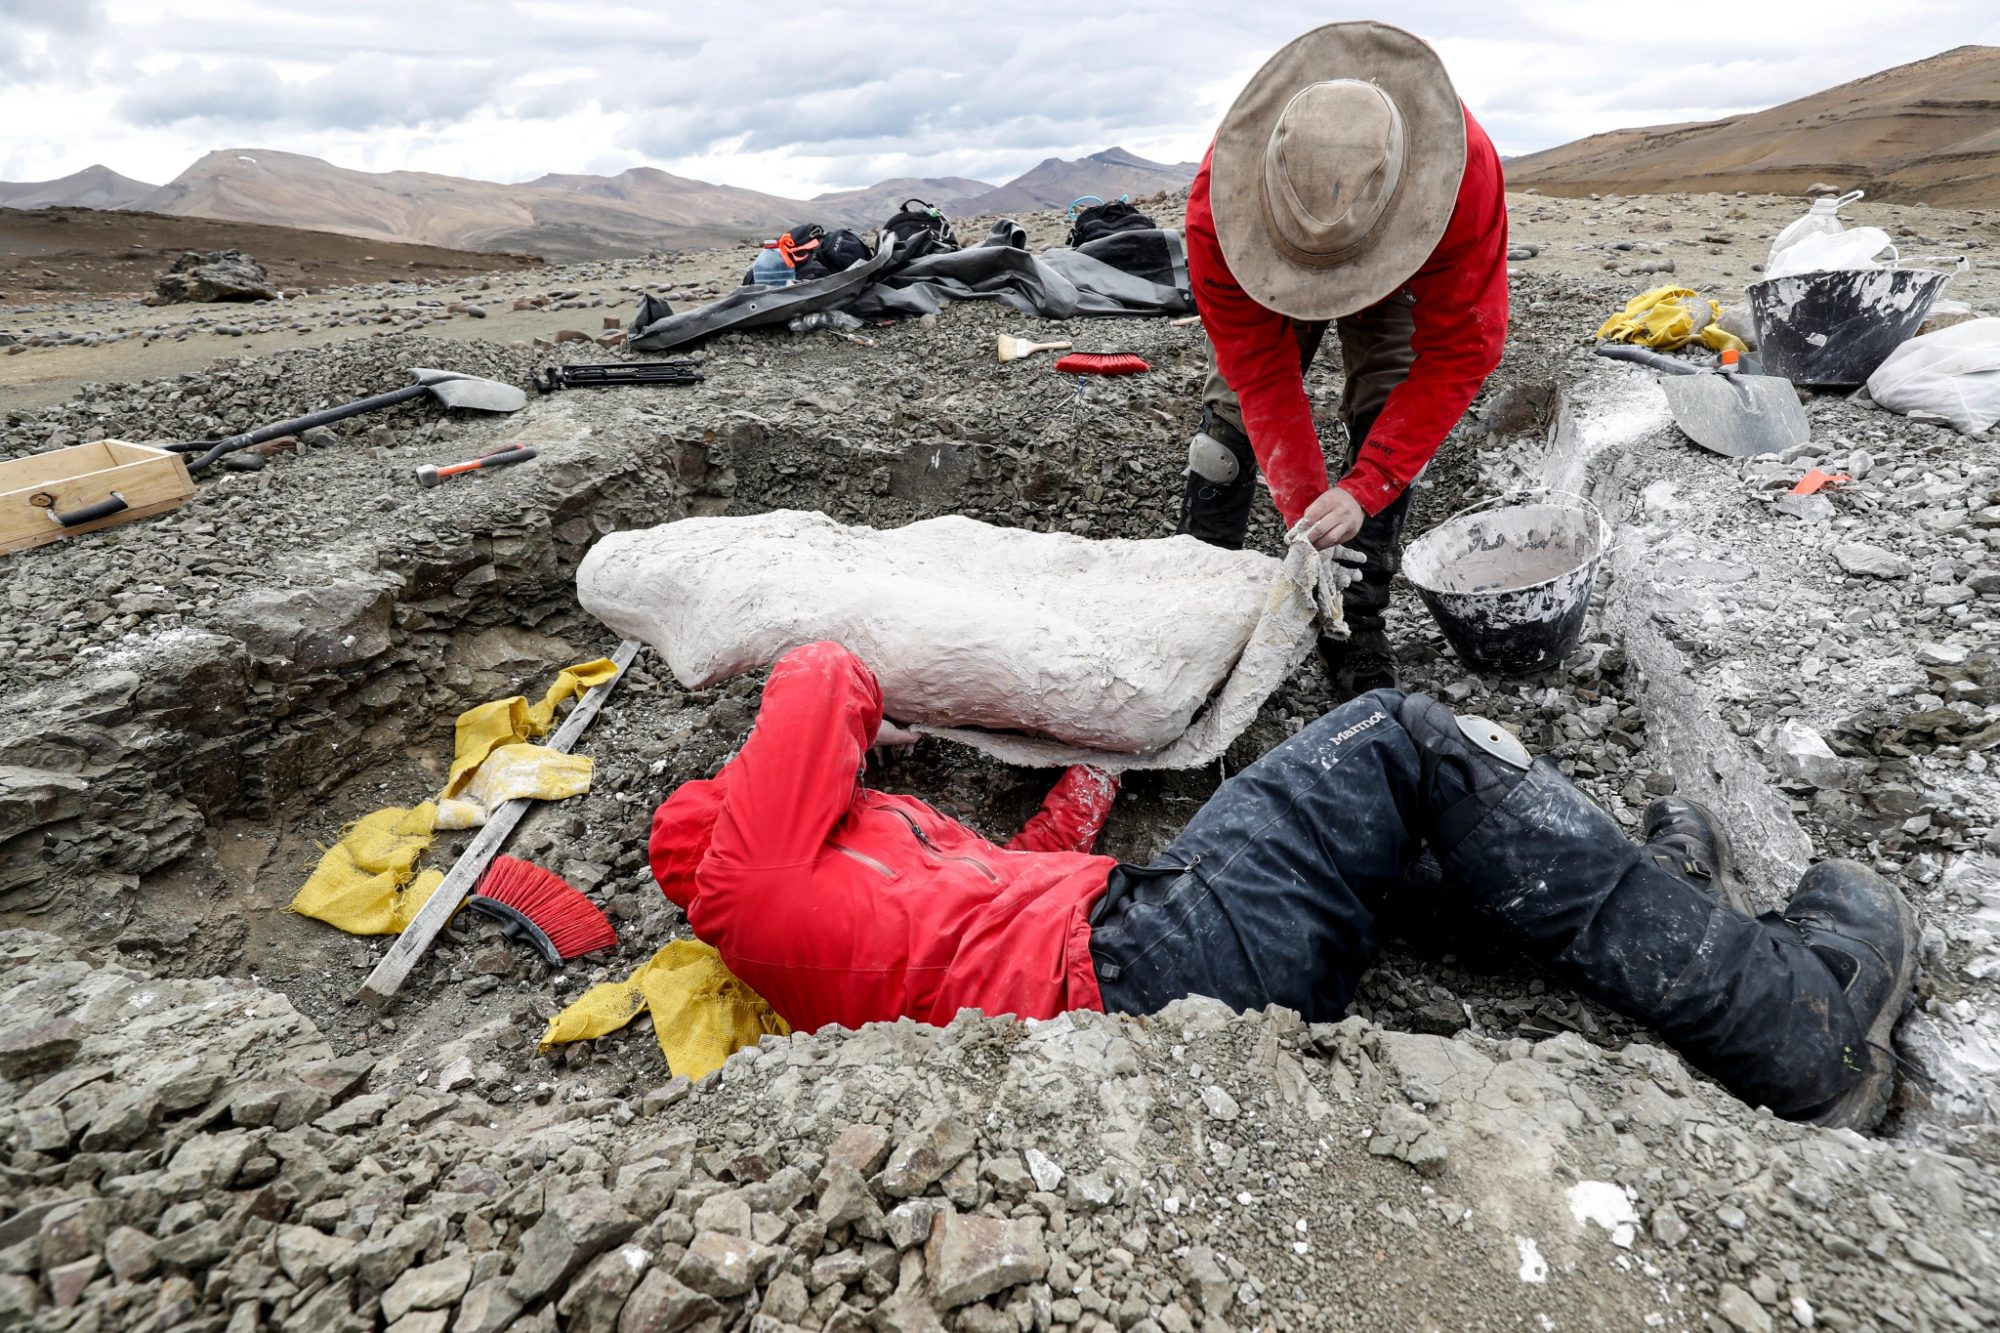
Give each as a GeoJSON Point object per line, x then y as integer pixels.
{"type": "Point", "coordinates": [799, 98]}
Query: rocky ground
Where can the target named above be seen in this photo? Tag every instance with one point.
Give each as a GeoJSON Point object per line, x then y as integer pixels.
{"type": "Point", "coordinates": [204, 1129]}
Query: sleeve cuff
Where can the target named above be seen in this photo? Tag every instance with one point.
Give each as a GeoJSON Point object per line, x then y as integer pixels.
{"type": "Point", "coordinates": [1371, 488]}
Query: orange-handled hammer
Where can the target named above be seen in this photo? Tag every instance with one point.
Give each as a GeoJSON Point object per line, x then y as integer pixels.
{"type": "Point", "coordinates": [430, 474]}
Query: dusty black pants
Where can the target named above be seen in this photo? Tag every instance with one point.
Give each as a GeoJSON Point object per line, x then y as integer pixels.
{"type": "Point", "coordinates": [1275, 892]}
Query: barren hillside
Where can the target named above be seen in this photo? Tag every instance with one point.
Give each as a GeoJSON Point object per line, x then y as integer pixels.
{"type": "Point", "coordinates": [93, 187]}
{"type": "Point", "coordinates": [53, 253]}
{"type": "Point", "coordinates": [1928, 131]}
{"type": "Point", "coordinates": [1054, 183]}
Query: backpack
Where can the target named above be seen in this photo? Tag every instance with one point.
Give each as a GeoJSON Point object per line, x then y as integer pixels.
{"type": "Point", "coordinates": [838, 251]}
{"type": "Point", "coordinates": [919, 230]}
{"type": "Point", "coordinates": [1102, 219]}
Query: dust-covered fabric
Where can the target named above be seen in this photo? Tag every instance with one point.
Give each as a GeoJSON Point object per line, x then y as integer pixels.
{"type": "Point", "coordinates": [1669, 318]}
{"type": "Point", "coordinates": [702, 1014]}
{"type": "Point", "coordinates": [1103, 652]}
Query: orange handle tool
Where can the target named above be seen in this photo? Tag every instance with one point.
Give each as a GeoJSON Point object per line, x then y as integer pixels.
{"type": "Point", "coordinates": [430, 474]}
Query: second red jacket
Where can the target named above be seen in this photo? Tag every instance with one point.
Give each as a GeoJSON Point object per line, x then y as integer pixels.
{"type": "Point", "coordinates": [838, 904]}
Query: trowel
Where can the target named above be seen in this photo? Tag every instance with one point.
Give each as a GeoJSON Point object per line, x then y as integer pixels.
{"type": "Point", "coordinates": [1729, 412]}
{"type": "Point", "coordinates": [447, 386]}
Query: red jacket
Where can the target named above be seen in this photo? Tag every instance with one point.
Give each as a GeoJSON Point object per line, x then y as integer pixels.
{"type": "Point", "coordinates": [843, 905]}
{"type": "Point", "coordinates": [1461, 319]}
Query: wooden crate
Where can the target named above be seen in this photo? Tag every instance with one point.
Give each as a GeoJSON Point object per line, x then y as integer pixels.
{"type": "Point", "coordinates": [36, 488]}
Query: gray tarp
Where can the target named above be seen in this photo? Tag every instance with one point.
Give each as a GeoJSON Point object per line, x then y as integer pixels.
{"type": "Point", "coordinates": [1130, 273]}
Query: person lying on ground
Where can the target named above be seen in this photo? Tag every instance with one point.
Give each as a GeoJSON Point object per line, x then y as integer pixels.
{"type": "Point", "coordinates": [841, 904]}
{"type": "Point", "coordinates": [1347, 185]}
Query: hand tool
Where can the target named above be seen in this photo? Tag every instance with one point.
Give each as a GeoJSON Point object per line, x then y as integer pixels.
{"type": "Point", "coordinates": [447, 386]}
{"type": "Point", "coordinates": [430, 474]}
{"type": "Point", "coordinates": [538, 908]}
{"type": "Point", "coordinates": [1013, 348]}
{"type": "Point", "coordinates": [1720, 408]}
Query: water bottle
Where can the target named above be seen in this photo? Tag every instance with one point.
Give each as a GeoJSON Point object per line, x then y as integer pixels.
{"type": "Point", "coordinates": [771, 270]}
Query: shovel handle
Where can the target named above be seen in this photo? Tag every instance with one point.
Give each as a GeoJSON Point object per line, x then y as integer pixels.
{"type": "Point", "coordinates": [1643, 356]}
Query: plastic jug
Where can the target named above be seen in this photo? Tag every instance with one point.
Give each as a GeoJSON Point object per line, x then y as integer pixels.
{"type": "Point", "coordinates": [771, 268]}
{"type": "Point", "coordinates": [1822, 219]}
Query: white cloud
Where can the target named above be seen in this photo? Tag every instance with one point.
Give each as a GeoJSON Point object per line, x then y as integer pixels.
{"type": "Point", "coordinates": [838, 94]}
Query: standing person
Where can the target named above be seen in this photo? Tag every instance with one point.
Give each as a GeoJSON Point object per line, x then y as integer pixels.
{"type": "Point", "coordinates": [839, 904]}
{"type": "Point", "coordinates": [1347, 185]}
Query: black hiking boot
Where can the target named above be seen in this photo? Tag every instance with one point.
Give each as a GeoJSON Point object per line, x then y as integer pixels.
{"type": "Point", "coordinates": [1863, 932]}
{"type": "Point", "coordinates": [1361, 662]}
{"type": "Point", "coordinates": [1684, 838]}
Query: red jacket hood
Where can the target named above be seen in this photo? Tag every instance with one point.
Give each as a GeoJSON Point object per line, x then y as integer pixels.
{"type": "Point", "coordinates": [682, 829]}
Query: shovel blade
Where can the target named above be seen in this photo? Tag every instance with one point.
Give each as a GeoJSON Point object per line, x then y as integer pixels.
{"type": "Point", "coordinates": [1737, 415]}
{"type": "Point", "coordinates": [468, 391]}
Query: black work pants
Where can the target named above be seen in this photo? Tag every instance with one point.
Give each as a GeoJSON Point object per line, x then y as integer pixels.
{"type": "Point", "coordinates": [1275, 892]}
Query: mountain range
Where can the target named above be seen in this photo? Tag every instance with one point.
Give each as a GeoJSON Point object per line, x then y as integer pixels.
{"type": "Point", "coordinates": [562, 217]}
{"type": "Point", "coordinates": [1924, 132]}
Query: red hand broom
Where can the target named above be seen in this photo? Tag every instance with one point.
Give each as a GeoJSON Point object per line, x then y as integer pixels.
{"type": "Point", "coordinates": [536, 908]}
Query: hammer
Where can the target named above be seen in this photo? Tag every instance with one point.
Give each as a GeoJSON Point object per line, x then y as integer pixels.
{"type": "Point", "coordinates": [430, 474]}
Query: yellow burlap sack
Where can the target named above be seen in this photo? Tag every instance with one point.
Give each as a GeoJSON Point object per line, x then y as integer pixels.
{"type": "Point", "coordinates": [1669, 318]}
{"type": "Point", "coordinates": [367, 883]}
{"type": "Point", "coordinates": [702, 1014]}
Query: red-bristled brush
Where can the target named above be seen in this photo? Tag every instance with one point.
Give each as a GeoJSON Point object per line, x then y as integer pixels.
{"type": "Point", "coordinates": [1102, 363]}
{"type": "Point", "coordinates": [535, 907]}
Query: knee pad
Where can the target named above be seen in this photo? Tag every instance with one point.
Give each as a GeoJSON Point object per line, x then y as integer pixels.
{"type": "Point", "coordinates": [1469, 765]}
{"type": "Point", "coordinates": [1212, 460]}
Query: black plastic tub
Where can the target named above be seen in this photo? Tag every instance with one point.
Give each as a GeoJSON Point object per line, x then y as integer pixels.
{"type": "Point", "coordinates": [1834, 328]}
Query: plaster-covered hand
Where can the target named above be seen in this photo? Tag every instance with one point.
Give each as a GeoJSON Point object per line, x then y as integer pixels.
{"type": "Point", "coordinates": [1331, 519]}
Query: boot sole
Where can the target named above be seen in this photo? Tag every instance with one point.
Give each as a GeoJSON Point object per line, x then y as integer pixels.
{"type": "Point", "coordinates": [1862, 1106]}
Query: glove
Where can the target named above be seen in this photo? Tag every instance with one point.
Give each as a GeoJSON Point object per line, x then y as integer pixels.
{"type": "Point", "coordinates": [1343, 566]}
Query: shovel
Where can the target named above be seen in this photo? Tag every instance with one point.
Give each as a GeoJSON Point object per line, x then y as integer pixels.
{"type": "Point", "coordinates": [1732, 414]}
{"type": "Point", "coordinates": [447, 386]}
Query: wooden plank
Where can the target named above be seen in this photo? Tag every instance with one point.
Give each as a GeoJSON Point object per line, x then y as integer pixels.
{"type": "Point", "coordinates": [445, 900]}
{"type": "Point", "coordinates": [56, 465]}
{"type": "Point", "coordinates": [152, 481]}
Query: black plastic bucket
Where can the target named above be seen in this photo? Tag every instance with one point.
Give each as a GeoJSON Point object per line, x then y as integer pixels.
{"type": "Point", "coordinates": [1509, 580]}
{"type": "Point", "coordinates": [1834, 328]}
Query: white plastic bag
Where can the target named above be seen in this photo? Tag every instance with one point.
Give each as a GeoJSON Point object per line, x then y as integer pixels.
{"type": "Point", "coordinates": [1860, 247]}
{"type": "Point", "coordinates": [1954, 372]}
{"type": "Point", "coordinates": [1822, 219]}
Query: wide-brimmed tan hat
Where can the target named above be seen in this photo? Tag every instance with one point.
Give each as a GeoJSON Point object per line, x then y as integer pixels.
{"type": "Point", "coordinates": [1336, 170]}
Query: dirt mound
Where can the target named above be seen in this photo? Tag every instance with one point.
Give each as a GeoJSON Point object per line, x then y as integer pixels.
{"type": "Point", "coordinates": [1926, 131]}
{"type": "Point", "coordinates": [51, 253]}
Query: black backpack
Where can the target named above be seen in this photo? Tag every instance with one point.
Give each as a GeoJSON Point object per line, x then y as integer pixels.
{"type": "Point", "coordinates": [1101, 220]}
{"type": "Point", "coordinates": [919, 229]}
{"type": "Point", "coordinates": [838, 251]}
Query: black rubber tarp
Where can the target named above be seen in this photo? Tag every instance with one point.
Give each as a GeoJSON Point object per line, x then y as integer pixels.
{"type": "Point", "coordinates": [1130, 273]}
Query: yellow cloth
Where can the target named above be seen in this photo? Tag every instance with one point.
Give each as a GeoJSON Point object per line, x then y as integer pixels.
{"type": "Point", "coordinates": [484, 729]}
{"type": "Point", "coordinates": [1669, 318]}
{"type": "Point", "coordinates": [367, 884]}
{"type": "Point", "coordinates": [702, 1014]}
{"type": "Point", "coordinates": [360, 884]}
{"type": "Point", "coordinates": [510, 772]}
